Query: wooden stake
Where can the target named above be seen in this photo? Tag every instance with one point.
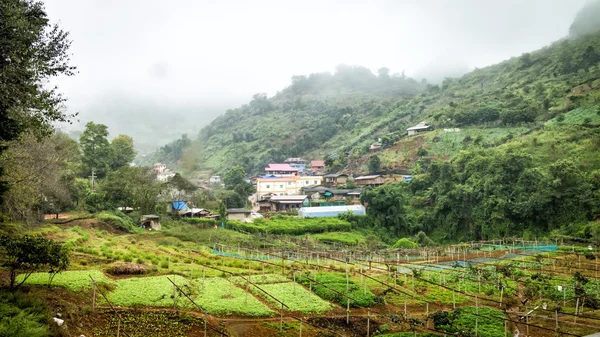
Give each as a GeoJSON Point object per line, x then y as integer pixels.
{"type": "Point", "coordinates": [301, 325]}
{"type": "Point", "coordinates": [94, 297]}
{"type": "Point", "coordinates": [453, 301]}
{"type": "Point", "coordinates": [347, 311]}
{"type": "Point", "coordinates": [368, 322]}
{"type": "Point", "coordinates": [476, 317]}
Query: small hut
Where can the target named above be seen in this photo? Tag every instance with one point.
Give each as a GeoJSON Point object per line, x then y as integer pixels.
{"type": "Point", "coordinates": [150, 222]}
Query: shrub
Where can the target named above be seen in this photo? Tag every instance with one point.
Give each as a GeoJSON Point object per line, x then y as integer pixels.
{"type": "Point", "coordinates": [405, 243]}
{"type": "Point", "coordinates": [117, 220]}
{"type": "Point", "coordinates": [140, 260]}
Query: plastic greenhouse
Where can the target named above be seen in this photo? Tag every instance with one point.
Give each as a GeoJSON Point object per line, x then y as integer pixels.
{"type": "Point", "coordinates": [317, 212]}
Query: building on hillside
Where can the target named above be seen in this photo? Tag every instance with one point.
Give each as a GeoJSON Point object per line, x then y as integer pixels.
{"type": "Point", "coordinates": [150, 222]}
{"type": "Point", "coordinates": [421, 127]}
{"type": "Point", "coordinates": [283, 203]}
{"type": "Point", "coordinates": [330, 211]}
{"type": "Point", "coordinates": [281, 170]}
{"type": "Point", "coordinates": [374, 180]}
{"type": "Point", "coordinates": [298, 163]}
{"type": "Point", "coordinates": [214, 180]}
{"type": "Point", "coordinates": [286, 185]}
{"type": "Point", "coordinates": [240, 214]}
{"type": "Point", "coordinates": [375, 147]}
{"type": "Point", "coordinates": [158, 168]}
{"type": "Point", "coordinates": [407, 178]}
{"type": "Point", "coordinates": [326, 194]}
{"type": "Point", "coordinates": [317, 165]}
{"type": "Point", "coordinates": [333, 179]}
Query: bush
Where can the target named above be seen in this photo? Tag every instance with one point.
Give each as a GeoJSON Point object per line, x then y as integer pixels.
{"type": "Point", "coordinates": [22, 316]}
{"type": "Point", "coordinates": [117, 220]}
{"type": "Point", "coordinates": [292, 226]}
{"type": "Point", "coordinates": [405, 243]}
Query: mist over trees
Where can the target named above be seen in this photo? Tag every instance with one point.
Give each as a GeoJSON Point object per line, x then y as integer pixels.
{"type": "Point", "coordinates": [586, 21]}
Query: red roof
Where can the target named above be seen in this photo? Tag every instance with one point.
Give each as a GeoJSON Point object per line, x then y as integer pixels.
{"type": "Point", "coordinates": [317, 163]}
{"type": "Point", "coordinates": [281, 167]}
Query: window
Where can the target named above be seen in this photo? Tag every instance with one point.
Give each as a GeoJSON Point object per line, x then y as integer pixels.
{"type": "Point", "coordinates": [316, 182]}
{"type": "Point", "coordinates": [289, 183]}
{"type": "Point", "coordinates": [268, 186]}
{"type": "Point", "coordinates": [280, 186]}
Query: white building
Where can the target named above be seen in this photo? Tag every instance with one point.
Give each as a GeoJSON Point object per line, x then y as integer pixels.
{"type": "Point", "coordinates": [290, 185]}
{"type": "Point", "coordinates": [214, 180]}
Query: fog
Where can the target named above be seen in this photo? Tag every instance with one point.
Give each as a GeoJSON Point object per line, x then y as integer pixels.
{"type": "Point", "coordinates": [156, 69]}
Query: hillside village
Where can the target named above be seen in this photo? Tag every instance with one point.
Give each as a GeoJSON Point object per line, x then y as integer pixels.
{"type": "Point", "coordinates": [296, 186]}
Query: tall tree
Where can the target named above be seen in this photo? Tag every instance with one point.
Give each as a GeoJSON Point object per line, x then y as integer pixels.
{"type": "Point", "coordinates": [123, 151]}
{"type": "Point", "coordinates": [31, 52]}
{"type": "Point", "coordinates": [97, 152]}
{"type": "Point", "coordinates": [374, 164]}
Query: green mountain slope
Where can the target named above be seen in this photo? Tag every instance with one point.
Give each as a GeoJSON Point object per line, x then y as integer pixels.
{"type": "Point", "coordinates": [345, 112]}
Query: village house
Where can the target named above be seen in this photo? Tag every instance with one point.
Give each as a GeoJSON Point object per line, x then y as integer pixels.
{"type": "Point", "coordinates": [282, 203]}
{"type": "Point", "coordinates": [213, 180]}
{"type": "Point", "coordinates": [298, 163]}
{"type": "Point", "coordinates": [158, 168]}
{"type": "Point", "coordinates": [281, 170]}
{"type": "Point", "coordinates": [375, 147]}
{"type": "Point", "coordinates": [316, 193]}
{"type": "Point", "coordinates": [375, 180]}
{"type": "Point", "coordinates": [240, 214]}
{"type": "Point", "coordinates": [286, 185]}
{"type": "Point", "coordinates": [317, 165]}
{"type": "Point", "coordinates": [150, 222]}
{"type": "Point", "coordinates": [333, 179]}
{"type": "Point", "coordinates": [421, 127]}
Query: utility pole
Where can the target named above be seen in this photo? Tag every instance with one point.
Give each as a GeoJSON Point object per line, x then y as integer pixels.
{"type": "Point", "coordinates": [93, 176]}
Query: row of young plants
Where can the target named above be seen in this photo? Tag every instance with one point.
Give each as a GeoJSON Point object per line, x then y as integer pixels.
{"type": "Point", "coordinates": [334, 287]}
{"type": "Point", "coordinates": [292, 225]}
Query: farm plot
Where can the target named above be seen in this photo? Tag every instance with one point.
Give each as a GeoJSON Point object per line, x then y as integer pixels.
{"type": "Point", "coordinates": [154, 291]}
{"type": "Point", "coordinates": [218, 297]}
{"type": "Point", "coordinates": [337, 282]}
{"type": "Point", "coordinates": [75, 280]}
{"type": "Point", "coordinates": [294, 296]}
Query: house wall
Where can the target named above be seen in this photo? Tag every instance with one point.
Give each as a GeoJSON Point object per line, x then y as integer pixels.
{"type": "Point", "coordinates": [367, 182]}
{"type": "Point", "coordinates": [238, 216]}
{"type": "Point", "coordinates": [285, 186]}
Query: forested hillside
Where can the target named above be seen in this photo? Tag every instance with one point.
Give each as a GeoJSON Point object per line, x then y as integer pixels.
{"type": "Point", "coordinates": [345, 112]}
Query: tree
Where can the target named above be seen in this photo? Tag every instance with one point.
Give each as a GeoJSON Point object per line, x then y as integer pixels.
{"type": "Point", "coordinates": [374, 164]}
{"type": "Point", "coordinates": [39, 173]}
{"type": "Point", "coordinates": [29, 254]}
{"type": "Point", "coordinates": [131, 187]}
{"type": "Point", "coordinates": [31, 52]}
{"type": "Point", "coordinates": [122, 151]}
{"type": "Point", "coordinates": [234, 177]}
{"type": "Point", "coordinates": [97, 151]}
{"type": "Point", "coordinates": [179, 188]}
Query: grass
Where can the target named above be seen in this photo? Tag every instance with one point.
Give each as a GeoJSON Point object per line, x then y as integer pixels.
{"type": "Point", "coordinates": [220, 298]}
{"type": "Point", "coordinates": [295, 297]}
{"type": "Point", "coordinates": [75, 280]}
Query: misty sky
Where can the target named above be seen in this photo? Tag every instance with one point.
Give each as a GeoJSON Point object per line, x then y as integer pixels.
{"type": "Point", "coordinates": [206, 56]}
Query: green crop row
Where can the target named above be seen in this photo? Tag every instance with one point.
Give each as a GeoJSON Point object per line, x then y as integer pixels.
{"type": "Point", "coordinates": [74, 280]}
{"type": "Point", "coordinates": [292, 226]}
{"type": "Point", "coordinates": [294, 296]}
{"type": "Point", "coordinates": [333, 287]}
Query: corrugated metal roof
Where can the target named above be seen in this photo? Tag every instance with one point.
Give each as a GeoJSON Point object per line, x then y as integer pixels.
{"type": "Point", "coordinates": [280, 167]}
{"type": "Point", "coordinates": [317, 163]}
